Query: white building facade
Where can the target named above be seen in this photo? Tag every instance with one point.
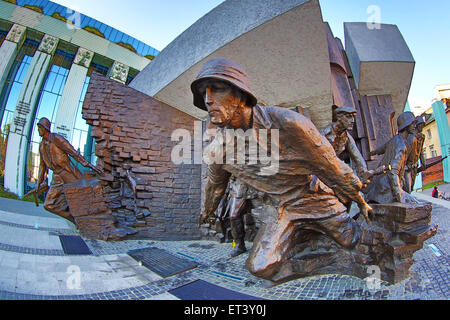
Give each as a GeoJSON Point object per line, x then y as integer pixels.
{"type": "Point", "coordinates": [48, 54]}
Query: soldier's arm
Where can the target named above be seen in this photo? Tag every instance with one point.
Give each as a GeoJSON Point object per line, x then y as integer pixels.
{"type": "Point", "coordinates": [64, 145]}
{"type": "Point", "coordinates": [423, 161]}
{"type": "Point", "coordinates": [215, 190]}
{"type": "Point", "coordinates": [320, 158]}
{"type": "Point", "coordinates": [394, 173]}
{"type": "Point", "coordinates": [43, 171]}
{"type": "Point", "coordinates": [356, 156]}
{"type": "Point", "coordinates": [380, 150]}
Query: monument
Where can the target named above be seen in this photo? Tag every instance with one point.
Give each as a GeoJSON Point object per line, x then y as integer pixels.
{"type": "Point", "coordinates": [73, 195]}
{"type": "Point", "coordinates": [306, 228]}
{"type": "Point", "coordinates": [300, 202]}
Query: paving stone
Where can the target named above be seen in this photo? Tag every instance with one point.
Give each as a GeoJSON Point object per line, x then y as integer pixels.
{"type": "Point", "coordinates": [111, 274]}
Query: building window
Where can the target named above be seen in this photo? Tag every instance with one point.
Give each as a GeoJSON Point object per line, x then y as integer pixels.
{"type": "Point", "coordinates": [433, 152]}
{"type": "Point", "coordinates": [47, 106]}
{"type": "Point", "coordinates": [429, 134]}
{"type": "Point", "coordinates": [81, 128]}
{"type": "Point", "coordinates": [10, 94]}
{"type": "Point", "coordinates": [3, 35]}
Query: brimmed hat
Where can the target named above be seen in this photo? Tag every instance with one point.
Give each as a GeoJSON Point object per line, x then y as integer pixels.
{"type": "Point", "coordinates": [419, 120]}
{"type": "Point", "coordinates": [45, 123]}
{"type": "Point", "coordinates": [225, 70]}
{"type": "Point", "coordinates": [348, 110]}
{"type": "Point", "coordinates": [405, 120]}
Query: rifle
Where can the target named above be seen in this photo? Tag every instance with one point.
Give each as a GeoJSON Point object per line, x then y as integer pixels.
{"type": "Point", "coordinates": [366, 176]}
{"type": "Point", "coordinates": [423, 168]}
{"type": "Point", "coordinates": [41, 189]}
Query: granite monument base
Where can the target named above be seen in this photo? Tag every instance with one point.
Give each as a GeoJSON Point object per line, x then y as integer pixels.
{"type": "Point", "coordinates": [384, 251]}
{"type": "Point", "coordinates": [87, 205]}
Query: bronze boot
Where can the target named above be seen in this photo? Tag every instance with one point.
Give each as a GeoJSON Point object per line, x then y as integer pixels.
{"type": "Point", "coordinates": [238, 233]}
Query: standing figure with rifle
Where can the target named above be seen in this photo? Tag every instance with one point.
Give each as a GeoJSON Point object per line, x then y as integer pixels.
{"type": "Point", "coordinates": [338, 134]}
{"type": "Point", "coordinates": [54, 152]}
{"type": "Point", "coordinates": [389, 187]}
{"type": "Point", "coordinates": [417, 141]}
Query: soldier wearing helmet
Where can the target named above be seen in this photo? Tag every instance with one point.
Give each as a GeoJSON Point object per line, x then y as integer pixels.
{"type": "Point", "coordinates": [388, 187]}
{"type": "Point", "coordinates": [417, 141]}
{"type": "Point", "coordinates": [54, 152]}
{"type": "Point", "coordinates": [343, 143]}
{"type": "Point", "coordinates": [296, 200]}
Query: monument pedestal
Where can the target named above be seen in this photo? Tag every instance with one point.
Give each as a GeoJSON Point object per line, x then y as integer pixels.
{"type": "Point", "coordinates": [396, 233]}
{"type": "Point", "coordinates": [388, 244]}
{"type": "Point", "coordinates": [88, 207]}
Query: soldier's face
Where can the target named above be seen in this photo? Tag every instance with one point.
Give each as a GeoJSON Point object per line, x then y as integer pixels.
{"type": "Point", "coordinates": [220, 100]}
{"type": "Point", "coordinates": [41, 131]}
{"type": "Point", "coordinates": [347, 120]}
{"type": "Point", "coordinates": [411, 128]}
{"type": "Point", "coordinates": [420, 127]}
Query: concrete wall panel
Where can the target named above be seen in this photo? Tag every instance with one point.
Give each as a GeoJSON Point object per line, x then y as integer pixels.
{"type": "Point", "coordinates": [285, 55]}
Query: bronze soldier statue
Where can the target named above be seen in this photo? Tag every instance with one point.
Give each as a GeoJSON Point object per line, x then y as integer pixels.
{"type": "Point", "coordinates": [417, 154]}
{"type": "Point", "coordinates": [238, 205]}
{"type": "Point", "coordinates": [297, 201]}
{"type": "Point", "coordinates": [54, 152]}
{"type": "Point", "coordinates": [342, 141]}
{"type": "Point", "coordinates": [388, 187]}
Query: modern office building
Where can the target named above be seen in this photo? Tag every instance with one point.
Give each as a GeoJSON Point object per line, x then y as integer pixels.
{"type": "Point", "coordinates": [48, 53]}
{"type": "Point", "coordinates": [437, 135]}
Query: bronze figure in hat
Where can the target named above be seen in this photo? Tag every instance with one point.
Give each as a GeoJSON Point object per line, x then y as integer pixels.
{"type": "Point", "coordinates": [302, 195]}
{"type": "Point", "coordinates": [338, 134]}
{"type": "Point", "coordinates": [397, 152]}
{"type": "Point", "coordinates": [54, 153]}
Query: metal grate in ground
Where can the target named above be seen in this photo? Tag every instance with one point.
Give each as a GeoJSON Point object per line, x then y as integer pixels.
{"type": "Point", "coordinates": [162, 262]}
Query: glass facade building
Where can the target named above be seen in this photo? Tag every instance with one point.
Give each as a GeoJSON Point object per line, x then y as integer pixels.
{"type": "Point", "coordinates": [38, 80]}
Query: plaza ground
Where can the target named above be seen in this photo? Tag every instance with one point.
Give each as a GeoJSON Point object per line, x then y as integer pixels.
{"type": "Point", "coordinates": [34, 265]}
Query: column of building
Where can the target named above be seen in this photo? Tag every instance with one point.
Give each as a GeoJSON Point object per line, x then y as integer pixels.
{"type": "Point", "coordinates": [16, 152]}
{"type": "Point", "coordinates": [68, 106]}
{"type": "Point", "coordinates": [119, 72]}
{"type": "Point", "coordinates": [9, 49]}
{"type": "Point", "coordinates": [444, 137]}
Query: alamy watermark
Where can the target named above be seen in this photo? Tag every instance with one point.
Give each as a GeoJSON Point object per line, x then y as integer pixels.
{"type": "Point", "coordinates": [73, 282]}
{"type": "Point", "coordinates": [73, 19]}
{"type": "Point", "coordinates": [373, 282]}
{"type": "Point", "coordinates": [228, 146]}
{"type": "Point", "coordinates": [374, 20]}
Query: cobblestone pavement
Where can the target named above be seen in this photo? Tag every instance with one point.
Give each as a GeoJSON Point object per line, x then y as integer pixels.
{"type": "Point", "coordinates": [37, 268]}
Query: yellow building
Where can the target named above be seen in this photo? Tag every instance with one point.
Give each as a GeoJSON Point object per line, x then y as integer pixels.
{"type": "Point", "coordinates": [432, 146]}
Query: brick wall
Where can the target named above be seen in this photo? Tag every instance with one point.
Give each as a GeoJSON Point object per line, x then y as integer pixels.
{"type": "Point", "coordinates": [433, 174]}
{"type": "Point", "coordinates": [133, 133]}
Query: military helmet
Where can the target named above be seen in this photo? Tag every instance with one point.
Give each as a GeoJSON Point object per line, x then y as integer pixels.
{"type": "Point", "coordinates": [420, 120]}
{"type": "Point", "coordinates": [348, 110]}
{"type": "Point", "coordinates": [45, 123]}
{"type": "Point", "coordinates": [225, 70]}
{"type": "Point", "coordinates": [405, 120]}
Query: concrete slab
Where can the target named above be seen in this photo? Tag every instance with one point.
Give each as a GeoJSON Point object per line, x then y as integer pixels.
{"type": "Point", "coordinates": [380, 60]}
{"type": "Point", "coordinates": [118, 276]}
{"type": "Point", "coordinates": [282, 46]}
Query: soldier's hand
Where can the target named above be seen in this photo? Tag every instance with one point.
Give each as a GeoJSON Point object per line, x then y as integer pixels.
{"type": "Point", "coordinates": [366, 211]}
{"type": "Point", "coordinates": [202, 219]}
{"type": "Point", "coordinates": [205, 218]}
{"type": "Point", "coordinates": [98, 171]}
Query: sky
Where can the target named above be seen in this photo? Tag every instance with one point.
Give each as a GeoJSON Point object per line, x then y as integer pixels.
{"type": "Point", "coordinates": [423, 23]}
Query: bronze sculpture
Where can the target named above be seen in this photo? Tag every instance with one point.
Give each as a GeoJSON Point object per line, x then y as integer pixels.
{"type": "Point", "coordinates": [237, 206]}
{"type": "Point", "coordinates": [54, 152]}
{"type": "Point", "coordinates": [388, 187]}
{"type": "Point", "coordinates": [342, 141]}
{"type": "Point", "coordinates": [297, 200]}
{"type": "Point", "coordinates": [417, 143]}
